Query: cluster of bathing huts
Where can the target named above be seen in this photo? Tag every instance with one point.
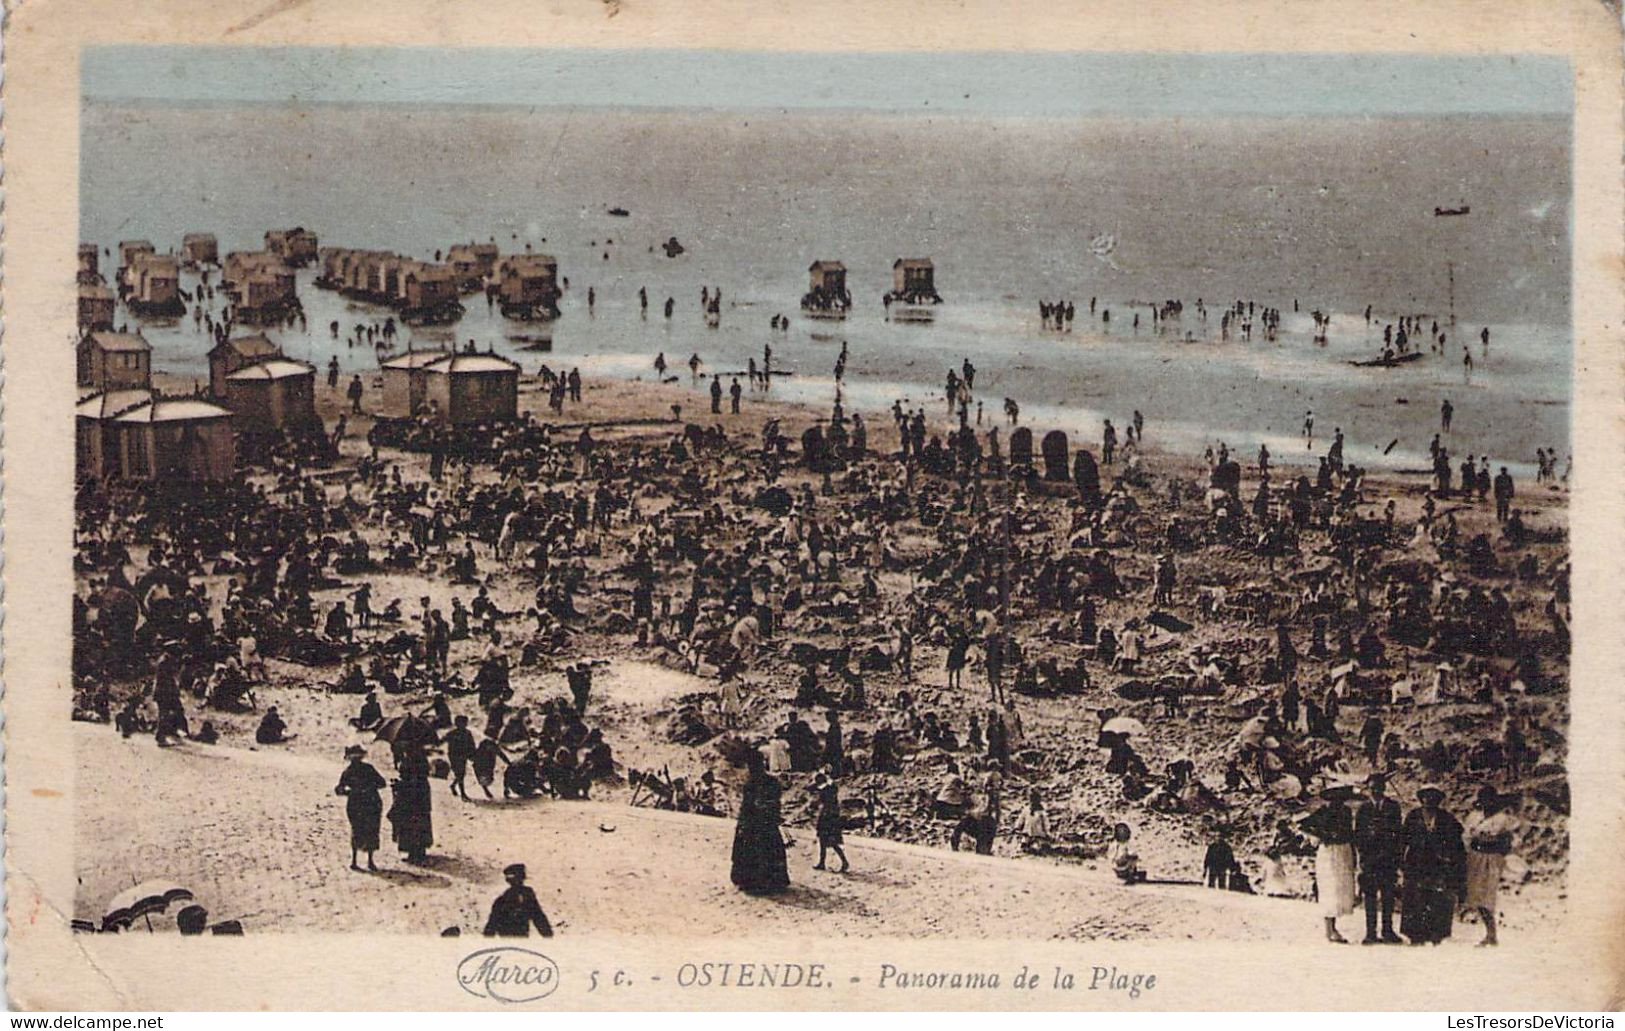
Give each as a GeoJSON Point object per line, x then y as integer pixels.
{"type": "Point", "coordinates": [126, 428]}
{"type": "Point", "coordinates": [260, 284]}
{"type": "Point", "coordinates": [525, 286]}
{"type": "Point", "coordinates": [913, 295]}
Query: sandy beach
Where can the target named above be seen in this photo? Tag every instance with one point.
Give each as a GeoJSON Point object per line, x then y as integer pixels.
{"type": "Point", "coordinates": [258, 835]}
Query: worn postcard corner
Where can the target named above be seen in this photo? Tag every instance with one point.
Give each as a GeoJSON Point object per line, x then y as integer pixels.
{"type": "Point", "coordinates": [710, 507]}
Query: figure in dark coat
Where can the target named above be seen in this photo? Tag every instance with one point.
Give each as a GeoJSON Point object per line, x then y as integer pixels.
{"type": "Point", "coordinates": [1435, 866]}
{"type": "Point", "coordinates": [410, 813]}
{"type": "Point", "coordinates": [360, 784]}
{"type": "Point", "coordinates": [516, 910]}
{"type": "Point", "coordinates": [760, 866]}
{"type": "Point", "coordinates": [1378, 846]}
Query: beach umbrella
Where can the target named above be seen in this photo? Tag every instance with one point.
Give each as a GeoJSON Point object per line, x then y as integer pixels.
{"type": "Point", "coordinates": [144, 899]}
{"type": "Point", "coordinates": [402, 728]}
{"type": "Point", "coordinates": [1127, 726]}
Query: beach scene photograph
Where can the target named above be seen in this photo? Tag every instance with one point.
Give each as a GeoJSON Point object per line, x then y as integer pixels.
{"type": "Point", "coordinates": [1059, 496]}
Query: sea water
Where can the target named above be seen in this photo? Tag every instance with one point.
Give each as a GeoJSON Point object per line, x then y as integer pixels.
{"type": "Point", "coordinates": [1333, 214]}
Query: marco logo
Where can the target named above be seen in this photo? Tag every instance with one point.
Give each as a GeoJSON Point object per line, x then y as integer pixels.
{"type": "Point", "coordinates": [508, 974]}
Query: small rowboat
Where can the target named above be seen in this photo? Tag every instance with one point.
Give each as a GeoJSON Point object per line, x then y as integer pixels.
{"type": "Point", "coordinates": [1398, 359]}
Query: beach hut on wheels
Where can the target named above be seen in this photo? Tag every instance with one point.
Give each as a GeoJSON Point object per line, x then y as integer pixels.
{"type": "Point", "coordinates": [278, 394]}
{"type": "Point", "coordinates": [429, 295]}
{"type": "Point", "coordinates": [176, 439]}
{"type": "Point", "coordinates": [471, 264]}
{"type": "Point", "coordinates": [826, 294]}
{"type": "Point", "coordinates": [266, 296]}
{"type": "Point", "coordinates": [128, 251]}
{"type": "Point", "coordinates": [403, 381]}
{"type": "Point", "coordinates": [261, 285]}
{"type": "Point", "coordinates": [382, 274]}
{"type": "Point", "coordinates": [914, 281]}
{"type": "Point", "coordinates": [529, 286]}
{"type": "Point", "coordinates": [200, 249]}
{"type": "Point", "coordinates": [96, 307]}
{"type": "Point", "coordinates": [913, 294]}
{"type": "Point", "coordinates": [238, 353]}
{"type": "Point", "coordinates": [89, 265]}
{"type": "Point", "coordinates": [153, 286]}
{"type": "Point", "coordinates": [296, 247]}
{"type": "Point", "coordinates": [97, 452]}
{"type": "Point", "coordinates": [334, 260]}
{"type": "Point", "coordinates": [114, 361]}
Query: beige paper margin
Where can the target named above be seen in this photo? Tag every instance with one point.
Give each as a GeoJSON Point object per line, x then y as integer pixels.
{"type": "Point", "coordinates": [50, 968]}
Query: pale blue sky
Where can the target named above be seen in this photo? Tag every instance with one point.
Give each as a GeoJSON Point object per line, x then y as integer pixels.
{"type": "Point", "coordinates": [1042, 85]}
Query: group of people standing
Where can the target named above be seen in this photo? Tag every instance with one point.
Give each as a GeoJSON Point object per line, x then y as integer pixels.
{"type": "Point", "coordinates": [1425, 860]}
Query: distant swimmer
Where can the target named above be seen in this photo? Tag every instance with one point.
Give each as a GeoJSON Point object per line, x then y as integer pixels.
{"type": "Point", "coordinates": [1309, 430]}
{"type": "Point", "coordinates": [1446, 411]}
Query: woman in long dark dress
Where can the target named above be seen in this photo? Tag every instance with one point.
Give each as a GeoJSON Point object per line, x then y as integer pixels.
{"type": "Point", "coordinates": [409, 814]}
{"type": "Point", "coordinates": [360, 784]}
{"type": "Point", "coordinates": [1435, 865]}
{"type": "Point", "coordinates": [759, 863]}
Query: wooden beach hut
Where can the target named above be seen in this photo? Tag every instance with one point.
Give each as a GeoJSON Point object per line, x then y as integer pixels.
{"type": "Point", "coordinates": [383, 278]}
{"type": "Point", "coordinates": [529, 286]}
{"type": "Point", "coordinates": [828, 277]}
{"type": "Point", "coordinates": [96, 307]}
{"type": "Point", "coordinates": [470, 388]}
{"type": "Point", "coordinates": [267, 295]}
{"type": "Point", "coordinates": [153, 286]}
{"type": "Point", "coordinates": [277, 394]}
{"type": "Point", "coordinates": [97, 451]}
{"type": "Point", "coordinates": [826, 294]}
{"type": "Point", "coordinates": [429, 294]}
{"type": "Point", "coordinates": [297, 247]}
{"type": "Point", "coordinates": [200, 249]}
{"type": "Point", "coordinates": [333, 260]}
{"type": "Point", "coordinates": [913, 276]}
{"type": "Point", "coordinates": [914, 281]}
{"type": "Point", "coordinates": [403, 381]}
{"type": "Point", "coordinates": [472, 264]}
{"type": "Point", "coordinates": [128, 251]}
{"type": "Point", "coordinates": [89, 265]}
{"type": "Point", "coordinates": [238, 353]}
{"type": "Point", "coordinates": [114, 361]}
{"type": "Point", "coordinates": [176, 439]}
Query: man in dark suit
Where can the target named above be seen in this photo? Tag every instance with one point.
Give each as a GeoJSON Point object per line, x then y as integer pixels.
{"type": "Point", "coordinates": [1377, 844]}
{"type": "Point", "coordinates": [516, 909]}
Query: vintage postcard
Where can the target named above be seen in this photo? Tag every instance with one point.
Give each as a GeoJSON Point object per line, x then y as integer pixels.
{"type": "Point", "coordinates": [632, 504]}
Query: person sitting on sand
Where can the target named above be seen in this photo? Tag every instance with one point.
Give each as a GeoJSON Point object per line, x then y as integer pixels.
{"type": "Point", "coordinates": [1125, 861]}
{"type": "Point", "coordinates": [516, 910]}
{"type": "Point", "coordinates": [371, 713]}
{"type": "Point", "coordinates": [272, 730]}
{"type": "Point", "coordinates": [1035, 830]}
{"type": "Point", "coordinates": [953, 798]}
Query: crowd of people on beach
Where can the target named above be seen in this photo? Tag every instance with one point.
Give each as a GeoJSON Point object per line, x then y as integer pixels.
{"type": "Point", "coordinates": [1190, 646]}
